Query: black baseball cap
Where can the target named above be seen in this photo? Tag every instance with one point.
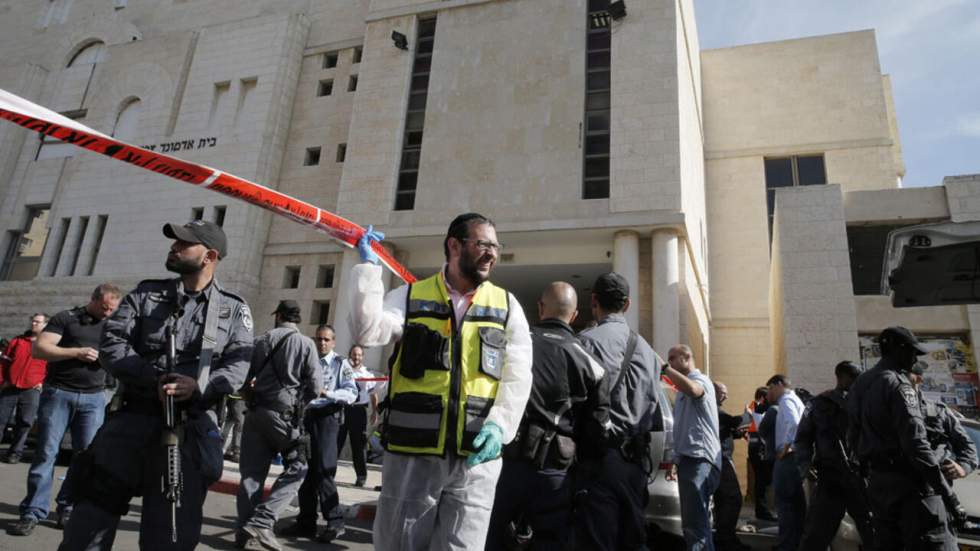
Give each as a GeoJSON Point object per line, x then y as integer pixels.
{"type": "Point", "coordinates": [611, 286]}
{"type": "Point", "coordinates": [900, 335]}
{"type": "Point", "coordinates": [208, 234]}
{"type": "Point", "coordinates": [287, 307]}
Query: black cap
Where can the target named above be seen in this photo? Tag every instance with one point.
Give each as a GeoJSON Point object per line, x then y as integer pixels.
{"type": "Point", "coordinates": [287, 307]}
{"type": "Point", "coordinates": [611, 286]}
{"type": "Point", "coordinates": [919, 368]}
{"type": "Point", "coordinates": [900, 335]}
{"type": "Point", "coordinates": [208, 234]}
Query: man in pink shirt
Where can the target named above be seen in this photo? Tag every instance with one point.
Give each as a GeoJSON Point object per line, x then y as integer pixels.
{"type": "Point", "coordinates": [21, 376]}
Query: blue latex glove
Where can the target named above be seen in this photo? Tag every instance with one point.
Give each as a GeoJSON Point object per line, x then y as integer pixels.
{"type": "Point", "coordinates": [488, 443]}
{"type": "Point", "coordinates": [364, 245]}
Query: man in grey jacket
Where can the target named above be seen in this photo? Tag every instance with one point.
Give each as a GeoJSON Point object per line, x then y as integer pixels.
{"type": "Point", "coordinates": [613, 487]}
{"type": "Point", "coordinates": [284, 376]}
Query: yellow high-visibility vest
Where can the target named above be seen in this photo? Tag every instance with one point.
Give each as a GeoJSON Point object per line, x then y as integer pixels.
{"type": "Point", "coordinates": [444, 371]}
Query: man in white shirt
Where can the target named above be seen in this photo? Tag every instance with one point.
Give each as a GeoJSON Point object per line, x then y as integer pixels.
{"type": "Point", "coordinates": [356, 415]}
{"type": "Point", "coordinates": [322, 423]}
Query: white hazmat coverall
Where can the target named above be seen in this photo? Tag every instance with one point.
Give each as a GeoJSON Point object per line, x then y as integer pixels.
{"type": "Point", "coordinates": [430, 502]}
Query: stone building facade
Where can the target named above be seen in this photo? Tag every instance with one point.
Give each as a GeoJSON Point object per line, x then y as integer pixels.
{"type": "Point", "coordinates": [595, 143]}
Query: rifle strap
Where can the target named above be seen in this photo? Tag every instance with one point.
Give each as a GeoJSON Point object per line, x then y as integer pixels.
{"type": "Point", "coordinates": [209, 340]}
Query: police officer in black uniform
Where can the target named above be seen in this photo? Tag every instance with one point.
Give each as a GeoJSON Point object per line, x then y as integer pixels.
{"type": "Point", "coordinates": [613, 487]}
{"type": "Point", "coordinates": [821, 445]}
{"type": "Point", "coordinates": [728, 497]}
{"type": "Point", "coordinates": [908, 494]}
{"type": "Point", "coordinates": [566, 415]}
{"type": "Point", "coordinates": [954, 449]}
{"type": "Point", "coordinates": [213, 329]}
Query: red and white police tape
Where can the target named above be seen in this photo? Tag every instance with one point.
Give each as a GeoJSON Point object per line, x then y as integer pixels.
{"type": "Point", "coordinates": [44, 121]}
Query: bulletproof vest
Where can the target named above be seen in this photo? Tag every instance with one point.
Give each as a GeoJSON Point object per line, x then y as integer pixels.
{"type": "Point", "coordinates": [544, 436]}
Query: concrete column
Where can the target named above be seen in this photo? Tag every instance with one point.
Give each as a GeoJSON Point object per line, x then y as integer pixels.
{"type": "Point", "coordinates": [626, 262]}
{"type": "Point", "coordinates": [666, 290]}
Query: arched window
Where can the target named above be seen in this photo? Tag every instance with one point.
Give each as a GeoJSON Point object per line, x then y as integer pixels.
{"type": "Point", "coordinates": [89, 55]}
{"type": "Point", "coordinates": [127, 123]}
{"type": "Point", "coordinates": [74, 86]}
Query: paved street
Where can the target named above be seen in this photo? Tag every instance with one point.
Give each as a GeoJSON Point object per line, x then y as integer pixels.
{"type": "Point", "coordinates": [219, 517]}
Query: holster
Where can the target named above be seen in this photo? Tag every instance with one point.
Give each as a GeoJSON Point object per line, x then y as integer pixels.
{"type": "Point", "coordinates": [543, 448]}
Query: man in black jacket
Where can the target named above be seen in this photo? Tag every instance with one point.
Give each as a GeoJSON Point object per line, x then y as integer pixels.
{"type": "Point", "coordinates": [566, 413]}
{"type": "Point", "coordinates": [728, 496]}
{"type": "Point", "coordinates": [821, 448]}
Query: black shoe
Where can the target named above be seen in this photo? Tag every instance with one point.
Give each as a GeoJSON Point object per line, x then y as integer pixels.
{"type": "Point", "coordinates": [63, 517]}
{"type": "Point", "coordinates": [264, 537]}
{"type": "Point", "coordinates": [241, 538]}
{"type": "Point", "coordinates": [329, 534]}
{"type": "Point", "coordinates": [765, 515]}
{"type": "Point", "coordinates": [233, 456]}
{"type": "Point", "coordinates": [297, 529]}
{"type": "Point", "coordinates": [22, 527]}
{"type": "Point", "coordinates": [360, 481]}
{"type": "Point", "coordinates": [12, 457]}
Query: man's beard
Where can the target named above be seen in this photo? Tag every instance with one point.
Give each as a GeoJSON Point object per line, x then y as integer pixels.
{"type": "Point", "coordinates": [468, 266]}
{"type": "Point", "coordinates": [185, 266]}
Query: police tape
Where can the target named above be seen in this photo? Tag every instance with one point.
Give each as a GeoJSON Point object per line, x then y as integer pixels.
{"type": "Point", "coordinates": [48, 123]}
{"type": "Point", "coordinates": [370, 379]}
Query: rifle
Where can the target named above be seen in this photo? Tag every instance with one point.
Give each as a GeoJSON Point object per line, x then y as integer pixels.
{"type": "Point", "coordinates": [171, 481]}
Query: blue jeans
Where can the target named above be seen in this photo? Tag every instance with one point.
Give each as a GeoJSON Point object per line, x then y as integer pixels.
{"type": "Point", "coordinates": [697, 480]}
{"type": "Point", "coordinates": [59, 411]}
{"type": "Point", "coordinates": [787, 487]}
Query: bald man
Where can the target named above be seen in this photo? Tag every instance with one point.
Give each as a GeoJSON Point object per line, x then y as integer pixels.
{"type": "Point", "coordinates": [566, 415]}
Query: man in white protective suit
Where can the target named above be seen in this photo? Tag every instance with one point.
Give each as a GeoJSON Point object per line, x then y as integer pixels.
{"type": "Point", "coordinates": [460, 379]}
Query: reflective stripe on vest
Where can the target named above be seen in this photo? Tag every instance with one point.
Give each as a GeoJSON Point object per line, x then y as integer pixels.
{"type": "Point", "coordinates": [443, 407]}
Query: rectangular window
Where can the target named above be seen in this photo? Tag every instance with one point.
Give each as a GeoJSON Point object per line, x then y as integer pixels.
{"type": "Point", "coordinates": [358, 51]}
{"type": "Point", "coordinates": [77, 245]}
{"type": "Point", "coordinates": [100, 224]}
{"type": "Point", "coordinates": [408, 175]}
{"type": "Point", "coordinates": [53, 148]}
{"type": "Point", "coordinates": [801, 170]}
{"type": "Point", "coordinates": [246, 97]}
{"type": "Point", "coordinates": [598, 83]}
{"type": "Point", "coordinates": [63, 226]}
{"type": "Point", "coordinates": [329, 60]}
{"type": "Point", "coordinates": [324, 88]}
{"type": "Point", "coordinates": [26, 246]}
{"type": "Point", "coordinates": [312, 157]}
{"type": "Point", "coordinates": [219, 215]}
{"type": "Point", "coordinates": [321, 312]}
{"type": "Point", "coordinates": [352, 83]}
{"type": "Point", "coordinates": [341, 152]}
{"type": "Point", "coordinates": [290, 277]}
{"type": "Point", "coordinates": [219, 101]}
{"type": "Point", "coordinates": [197, 213]}
{"type": "Point", "coordinates": [324, 276]}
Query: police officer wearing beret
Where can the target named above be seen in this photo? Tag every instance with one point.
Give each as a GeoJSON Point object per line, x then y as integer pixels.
{"type": "Point", "coordinates": [909, 497]}
{"type": "Point", "coordinates": [213, 335]}
{"type": "Point", "coordinates": [285, 374]}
